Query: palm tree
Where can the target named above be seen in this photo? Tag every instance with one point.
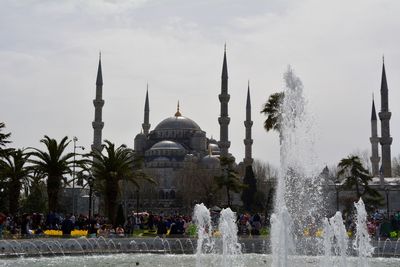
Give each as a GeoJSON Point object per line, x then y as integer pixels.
{"type": "Point", "coordinates": [54, 164]}
{"type": "Point", "coordinates": [35, 199]}
{"type": "Point", "coordinates": [272, 110]}
{"type": "Point", "coordinates": [3, 138]}
{"type": "Point", "coordinates": [228, 178]}
{"type": "Point", "coordinates": [356, 176]}
{"type": "Point", "coordinates": [117, 164]}
{"type": "Point", "coordinates": [13, 168]}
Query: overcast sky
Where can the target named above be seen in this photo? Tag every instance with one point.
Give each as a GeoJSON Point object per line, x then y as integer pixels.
{"type": "Point", "coordinates": [49, 54]}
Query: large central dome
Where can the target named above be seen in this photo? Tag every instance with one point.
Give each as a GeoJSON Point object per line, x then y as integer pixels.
{"type": "Point", "coordinates": [176, 123]}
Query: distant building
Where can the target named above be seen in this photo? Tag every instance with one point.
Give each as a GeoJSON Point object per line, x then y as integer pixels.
{"type": "Point", "coordinates": [178, 154]}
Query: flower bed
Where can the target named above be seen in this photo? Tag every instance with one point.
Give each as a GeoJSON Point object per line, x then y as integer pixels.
{"type": "Point", "coordinates": [74, 233]}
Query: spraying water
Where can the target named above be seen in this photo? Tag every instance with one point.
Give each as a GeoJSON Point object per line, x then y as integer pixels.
{"type": "Point", "coordinates": [362, 241]}
{"type": "Point", "coordinates": [202, 218]}
{"type": "Point", "coordinates": [230, 246]}
{"type": "Point", "coordinates": [341, 239]}
{"type": "Point", "coordinates": [299, 191]}
{"type": "Point", "coordinates": [282, 243]}
{"type": "Point", "coordinates": [328, 241]}
{"type": "Point", "coordinates": [300, 204]}
{"type": "Point", "coordinates": [227, 242]}
{"type": "Point", "coordinates": [336, 239]}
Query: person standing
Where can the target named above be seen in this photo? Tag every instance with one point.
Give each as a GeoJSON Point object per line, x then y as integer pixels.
{"type": "Point", "coordinates": [94, 226]}
{"type": "Point", "coordinates": [25, 225]}
{"type": "Point", "coordinates": [3, 219]}
{"type": "Point", "coordinates": [161, 228]}
{"type": "Point", "coordinates": [67, 226]}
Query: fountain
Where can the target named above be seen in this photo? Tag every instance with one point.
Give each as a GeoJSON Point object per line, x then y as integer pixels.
{"type": "Point", "coordinates": [328, 241]}
{"type": "Point", "coordinates": [202, 218]}
{"type": "Point", "coordinates": [362, 242]}
{"type": "Point", "coordinates": [282, 243]}
{"type": "Point", "coordinates": [341, 240]}
{"type": "Point", "coordinates": [300, 204]}
{"type": "Point", "coordinates": [299, 209]}
{"type": "Point", "coordinates": [228, 229]}
{"type": "Point", "coordinates": [298, 195]}
{"type": "Point", "coordinates": [223, 250]}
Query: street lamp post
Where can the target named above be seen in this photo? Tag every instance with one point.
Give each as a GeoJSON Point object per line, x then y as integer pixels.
{"type": "Point", "coordinates": [75, 139]}
{"type": "Point", "coordinates": [90, 182]}
{"type": "Point", "coordinates": [337, 186]}
{"type": "Point", "coordinates": [387, 200]}
{"type": "Point", "coordinates": [137, 202]}
{"type": "Point", "coordinates": [125, 204]}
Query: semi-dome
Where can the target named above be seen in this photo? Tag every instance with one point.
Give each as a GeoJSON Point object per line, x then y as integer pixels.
{"type": "Point", "coordinates": [214, 147]}
{"type": "Point", "coordinates": [210, 162]}
{"type": "Point", "coordinates": [166, 144]}
{"type": "Point", "coordinates": [177, 123]}
{"type": "Point", "coordinates": [140, 136]}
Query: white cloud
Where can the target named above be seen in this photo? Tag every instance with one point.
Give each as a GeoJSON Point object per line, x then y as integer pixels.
{"type": "Point", "coordinates": [48, 65]}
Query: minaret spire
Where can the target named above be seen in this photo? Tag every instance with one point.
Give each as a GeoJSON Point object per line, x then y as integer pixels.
{"type": "Point", "coordinates": [99, 79]}
{"type": "Point", "coordinates": [384, 116]}
{"type": "Point", "coordinates": [248, 123]}
{"type": "Point", "coordinates": [98, 103]}
{"type": "Point", "coordinates": [373, 113]}
{"type": "Point", "coordinates": [224, 76]}
{"type": "Point", "coordinates": [224, 119]}
{"type": "Point", "coordinates": [146, 124]}
{"type": "Point", "coordinates": [374, 139]}
{"type": "Point", "coordinates": [384, 90]}
{"type": "Point", "coordinates": [177, 113]}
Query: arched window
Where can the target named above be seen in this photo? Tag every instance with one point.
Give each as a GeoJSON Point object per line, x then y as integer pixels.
{"type": "Point", "coordinates": [172, 194]}
{"type": "Point", "coordinates": [161, 194]}
{"type": "Point", "coordinates": [167, 195]}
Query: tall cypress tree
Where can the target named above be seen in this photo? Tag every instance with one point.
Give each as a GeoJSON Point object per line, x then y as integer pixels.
{"type": "Point", "coordinates": [250, 190]}
{"type": "Point", "coordinates": [120, 220]}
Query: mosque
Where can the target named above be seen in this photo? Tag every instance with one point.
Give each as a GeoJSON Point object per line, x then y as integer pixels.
{"type": "Point", "coordinates": [177, 153]}
{"type": "Point", "coordinates": [180, 157]}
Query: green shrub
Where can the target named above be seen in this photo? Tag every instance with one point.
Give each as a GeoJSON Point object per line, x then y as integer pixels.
{"type": "Point", "coordinates": [264, 231]}
{"type": "Point", "coordinates": [191, 230]}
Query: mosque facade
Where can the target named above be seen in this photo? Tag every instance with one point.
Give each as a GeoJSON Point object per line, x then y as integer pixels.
{"type": "Point", "coordinates": [177, 153]}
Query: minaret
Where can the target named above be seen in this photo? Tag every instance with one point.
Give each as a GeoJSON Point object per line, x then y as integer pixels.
{"type": "Point", "coordinates": [224, 119]}
{"type": "Point", "coordinates": [98, 103]}
{"type": "Point", "coordinates": [248, 123]}
{"type": "Point", "coordinates": [146, 124]}
{"type": "Point", "coordinates": [384, 116]}
{"type": "Point", "coordinates": [374, 142]}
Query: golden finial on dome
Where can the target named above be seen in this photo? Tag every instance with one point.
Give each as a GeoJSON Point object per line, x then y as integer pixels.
{"type": "Point", "coordinates": [178, 114]}
{"type": "Point", "coordinates": [209, 150]}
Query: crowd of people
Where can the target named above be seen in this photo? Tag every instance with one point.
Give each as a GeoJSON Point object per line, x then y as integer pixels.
{"type": "Point", "coordinates": [379, 224]}
{"type": "Point", "coordinates": [35, 225]}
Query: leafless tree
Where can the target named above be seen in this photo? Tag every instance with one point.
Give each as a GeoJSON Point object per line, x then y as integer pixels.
{"type": "Point", "coordinates": [264, 171]}
{"type": "Point", "coordinates": [196, 185]}
{"type": "Point", "coordinates": [396, 166]}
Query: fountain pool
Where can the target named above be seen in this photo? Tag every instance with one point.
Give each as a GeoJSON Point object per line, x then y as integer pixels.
{"type": "Point", "coordinates": [152, 260]}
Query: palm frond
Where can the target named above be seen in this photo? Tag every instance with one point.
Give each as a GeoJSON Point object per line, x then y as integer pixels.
{"type": "Point", "coordinates": [272, 109]}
